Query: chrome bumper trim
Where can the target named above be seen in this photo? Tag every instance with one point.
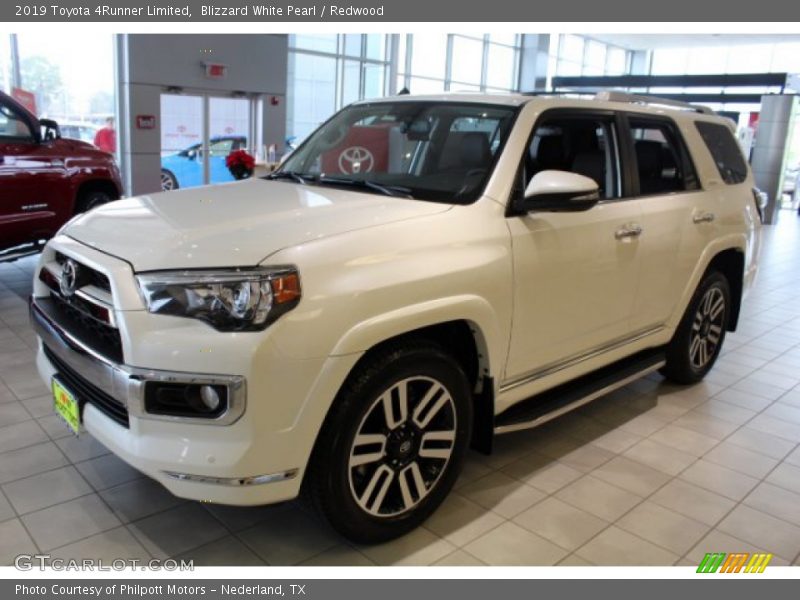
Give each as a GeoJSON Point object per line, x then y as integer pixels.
{"type": "Point", "coordinates": [126, 384]}
{"type": "Point", "coordinates": [235, 481]}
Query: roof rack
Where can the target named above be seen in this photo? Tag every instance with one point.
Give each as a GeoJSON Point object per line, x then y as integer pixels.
{"type": "Point", "coordinates": [615, 96]}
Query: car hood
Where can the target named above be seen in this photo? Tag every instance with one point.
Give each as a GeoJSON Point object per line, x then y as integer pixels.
{"type": "Point", "coordinates": [235, 224]}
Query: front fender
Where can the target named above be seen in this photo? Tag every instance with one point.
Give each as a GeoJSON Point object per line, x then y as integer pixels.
{"type": "Point", "coordinates": [476, 311]}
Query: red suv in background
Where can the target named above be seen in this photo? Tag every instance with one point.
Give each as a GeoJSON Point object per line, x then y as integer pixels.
{"type": "Point", "coordinates": [45, 180]}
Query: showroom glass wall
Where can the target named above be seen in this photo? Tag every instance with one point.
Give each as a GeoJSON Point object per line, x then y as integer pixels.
{"type": "Point", "coordinates": [748, 58]}
{"type": "Point", "coordinates": [573, 55]}
{"type": "Point", "coordinates": [327, 72]}
{"type": "Point", "coordinates": [73, 83]}
{"type": "Point", "coordinates": [431, 63]}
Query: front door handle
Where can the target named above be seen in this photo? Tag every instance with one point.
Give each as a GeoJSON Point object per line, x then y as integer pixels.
{"type": "Point", "coordinates": [628, 231]}
{"type": "Point", "coordinates": [706, 217]}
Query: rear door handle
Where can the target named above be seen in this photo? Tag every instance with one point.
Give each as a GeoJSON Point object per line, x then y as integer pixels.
{"type": "Point", "coordinates": [628, 231]}
{"type": "Point", "coordinates": [706, 217]}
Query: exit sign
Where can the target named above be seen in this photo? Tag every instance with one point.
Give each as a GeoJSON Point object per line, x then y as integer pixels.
{"type": "Point", "coordinates": [215, 70]}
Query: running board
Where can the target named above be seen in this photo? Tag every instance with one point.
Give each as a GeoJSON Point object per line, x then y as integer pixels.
{"type": "Point", "coordinates": [18, 252]}
{"type": "Point", "coordinates": [555, 402]}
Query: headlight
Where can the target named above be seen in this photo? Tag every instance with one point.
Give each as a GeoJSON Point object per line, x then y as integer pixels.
{"type": "Point", "coordinates": [229, 300]}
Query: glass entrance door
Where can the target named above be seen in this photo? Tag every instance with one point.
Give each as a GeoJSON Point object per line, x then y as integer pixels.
{"type": "Point", "coordinates": [229, 128]}
{"type": "Point", "coordinates": [198, 131]}
{"type": "Point", "coordinates": [182, 141]}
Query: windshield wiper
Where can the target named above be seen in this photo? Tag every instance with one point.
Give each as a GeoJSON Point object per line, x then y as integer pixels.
{"type": "Point", "coordinates": [294, 175]}
{"type": "Point", "coordinates": [387, 190]}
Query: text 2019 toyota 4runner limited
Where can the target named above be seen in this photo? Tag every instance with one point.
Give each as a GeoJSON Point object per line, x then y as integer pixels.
{"type": "Point", "coordinates": [45, 180]}
{"type": "Point", "coordinates": [420, 274]}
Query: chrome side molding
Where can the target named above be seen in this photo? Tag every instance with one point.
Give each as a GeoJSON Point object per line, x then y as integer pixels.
{"type": "Point", "coordinates": [571, 362]}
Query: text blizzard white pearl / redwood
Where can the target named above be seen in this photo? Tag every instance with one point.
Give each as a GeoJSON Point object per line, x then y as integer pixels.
{"type": "Point", "coordinates": [270, 10]}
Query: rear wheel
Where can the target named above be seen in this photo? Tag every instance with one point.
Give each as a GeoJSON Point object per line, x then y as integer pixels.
{"type": "Point", "coordinates": [168, 181]}
{"type": "Point", "coordinates": [393, 444]}
{"type": "Point", "coordinates": [697, 343]}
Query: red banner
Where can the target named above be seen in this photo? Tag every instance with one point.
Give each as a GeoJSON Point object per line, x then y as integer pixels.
{"type": "Point", "coordinates": [26, 98]}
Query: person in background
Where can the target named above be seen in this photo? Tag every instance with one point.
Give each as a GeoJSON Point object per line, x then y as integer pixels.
{"type": "Point", "coordinates": [106, 137]}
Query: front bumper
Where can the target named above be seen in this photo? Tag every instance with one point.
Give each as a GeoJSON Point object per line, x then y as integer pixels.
{"type": "Point", "coordinates": [121, 383]}
{"type": "Point", "coordinates": [113, 412]}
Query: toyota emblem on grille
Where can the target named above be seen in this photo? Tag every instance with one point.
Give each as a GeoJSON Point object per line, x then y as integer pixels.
{"type": "Point", "coordinates": [69, 278]}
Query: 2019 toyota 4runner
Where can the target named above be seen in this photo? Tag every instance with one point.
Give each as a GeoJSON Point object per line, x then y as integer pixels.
{"type": "Point", "coordinates": [421, 274]}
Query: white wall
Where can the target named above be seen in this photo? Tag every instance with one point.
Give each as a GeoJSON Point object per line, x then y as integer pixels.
{"type": "Point", "coordinates": [149, 64]}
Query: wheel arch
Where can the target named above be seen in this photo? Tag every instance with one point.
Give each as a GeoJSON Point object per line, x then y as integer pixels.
{"type": "Point", "coordinates": [95, 185]}
{"type": "Point", "coordinates": [730, 263]}
{"type": "Point", "coordinates": [464, 338]}
{"type": "Point", "coordinates": [727, 255]}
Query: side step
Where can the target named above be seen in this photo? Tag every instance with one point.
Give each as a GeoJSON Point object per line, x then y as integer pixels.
{"type": "Point", "coordinates": [553, 403]}
{"type": "Point", "coordinates": [18, 252]}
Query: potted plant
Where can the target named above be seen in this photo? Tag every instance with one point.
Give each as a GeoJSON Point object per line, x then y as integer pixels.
{"type": "Point", "coordinates": [240, 164]}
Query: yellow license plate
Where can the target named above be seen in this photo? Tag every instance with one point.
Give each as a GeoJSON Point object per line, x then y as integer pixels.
{"type": "Point", "coordinates": [66, 406]}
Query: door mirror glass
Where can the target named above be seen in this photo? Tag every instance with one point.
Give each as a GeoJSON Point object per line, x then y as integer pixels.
{"type": "Point", "coordinates": [560, 191]}
{"type": "Point", "coordinates": [50, 130]}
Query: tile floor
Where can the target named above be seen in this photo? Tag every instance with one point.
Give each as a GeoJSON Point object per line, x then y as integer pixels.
{"type": "Point", "coordinates": [651, 474]}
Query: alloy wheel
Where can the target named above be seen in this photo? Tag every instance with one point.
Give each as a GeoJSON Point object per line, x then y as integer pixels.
{"type": "Point", "coordinates": [707, 327]}
{"type": "Point", "coordinates": [402, 446]}
{"type": "Point", "coordinates": [167, 182]}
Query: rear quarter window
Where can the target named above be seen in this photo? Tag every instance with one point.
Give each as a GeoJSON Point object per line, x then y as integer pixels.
{"type": "Point", "coordinates": [724, 150]}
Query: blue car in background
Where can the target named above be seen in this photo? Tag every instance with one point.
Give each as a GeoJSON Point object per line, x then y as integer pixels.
{"type": "Point", "coordinates": [185, 168]}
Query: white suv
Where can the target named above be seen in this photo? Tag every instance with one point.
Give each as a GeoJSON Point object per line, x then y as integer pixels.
{"type": "Point", "coordinates": [421, 274]}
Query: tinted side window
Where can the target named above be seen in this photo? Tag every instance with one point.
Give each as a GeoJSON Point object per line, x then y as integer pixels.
{"type": "Point", "coordinates": [585, 145]}
{"type": "Point", "coordinates": [12, 127]}
{"type": "Point", "coordinates": [725, 151]}
{"type": "Point", "coordinates": [662, 161]}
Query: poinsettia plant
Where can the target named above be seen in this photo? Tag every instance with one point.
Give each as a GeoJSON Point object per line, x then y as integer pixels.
{"type": "Point", "coordinates": [240, 164]}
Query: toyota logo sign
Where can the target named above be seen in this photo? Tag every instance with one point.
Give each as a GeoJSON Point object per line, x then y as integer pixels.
{"type": "Point", "coordinates": [356, 159]}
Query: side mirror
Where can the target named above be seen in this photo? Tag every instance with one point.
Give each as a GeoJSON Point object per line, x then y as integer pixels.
{"type": "Point", "coordinates": [50, 130]}
{"type": "Point", "coordinates": [560, 191]}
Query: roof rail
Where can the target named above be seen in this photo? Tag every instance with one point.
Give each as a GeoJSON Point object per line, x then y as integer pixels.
{"type": "Point", "coordinates": [616, 96]}
{"type": "Point", "coordinates": [562, 93]}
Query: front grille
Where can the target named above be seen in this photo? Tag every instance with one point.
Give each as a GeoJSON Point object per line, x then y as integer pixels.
{"type": "Point", "coordinates": [85, 391]}
{"type": "Point", "coordinates": [102, 338]}
{"type": "Point", "coordinates": [93, 277]}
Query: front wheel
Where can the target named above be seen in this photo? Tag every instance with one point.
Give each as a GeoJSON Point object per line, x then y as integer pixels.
{"type": "Point", "coordinates": [393, 444]}
{"type": "Point", "coordinates": [168, 181]}
{"type": "Point", "coordinates": [698, 340]}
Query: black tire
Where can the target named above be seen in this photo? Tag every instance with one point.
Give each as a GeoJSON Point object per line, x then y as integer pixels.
{"type": "Point", "coordinates": [336, 488]}
{"type": "Point", "coordinates": [168, 181]}
{"type": "Point", "coordinates": [91, 199]}
{"type": "Point", "coordinates": [698, 340]}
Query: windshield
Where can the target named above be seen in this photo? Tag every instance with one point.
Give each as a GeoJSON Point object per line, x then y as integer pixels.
{"type": "Point", "coordinates": [425, 150]}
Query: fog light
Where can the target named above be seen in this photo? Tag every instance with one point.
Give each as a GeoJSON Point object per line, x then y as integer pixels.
{"type": "Point", "coordinates": [194, 400]}
{"type": "Point", "coordinates": [210, 397]}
